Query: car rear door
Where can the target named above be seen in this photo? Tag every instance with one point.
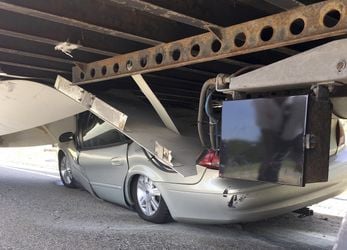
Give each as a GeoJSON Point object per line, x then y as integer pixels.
{"type": "Point", "coordinates": [103, 157]}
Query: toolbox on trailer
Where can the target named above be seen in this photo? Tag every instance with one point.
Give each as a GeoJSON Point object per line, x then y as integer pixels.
{"type": "Point", "coordinates": [281, 140]}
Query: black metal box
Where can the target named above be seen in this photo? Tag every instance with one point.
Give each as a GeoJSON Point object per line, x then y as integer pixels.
{"type": "Point", "coordinates": [280, 140]}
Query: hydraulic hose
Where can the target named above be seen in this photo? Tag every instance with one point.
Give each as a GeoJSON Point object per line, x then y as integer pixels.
{"type": "Point", "coordinates": [212, 121]}
{"type": "Point", "coordinates": [209, 84]}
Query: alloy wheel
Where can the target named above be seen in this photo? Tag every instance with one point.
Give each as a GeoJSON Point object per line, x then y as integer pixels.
{"type": "Point", "coordinates": [65, 171]}
{"type": "Point", "coordinates": [148, 196]}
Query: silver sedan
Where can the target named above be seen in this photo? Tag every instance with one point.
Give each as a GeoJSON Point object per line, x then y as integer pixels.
{"type": "Point", "coordinates": [114, 168]}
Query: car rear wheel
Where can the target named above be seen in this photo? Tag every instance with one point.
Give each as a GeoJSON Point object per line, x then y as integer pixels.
{"type": "Point", "coordinates": [149, 203]}
{"type": "Point", "coordinates": [66, 173]}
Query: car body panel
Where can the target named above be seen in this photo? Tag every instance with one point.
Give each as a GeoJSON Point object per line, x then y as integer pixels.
{"type": "Point", "coordinates": [220, 200]}
{"type": "Point", "coordinates": [69, 150]}
{"type": "Point", "coordinates": [139, 164]}
{"type": "Point", "coordinates": [106, 171]}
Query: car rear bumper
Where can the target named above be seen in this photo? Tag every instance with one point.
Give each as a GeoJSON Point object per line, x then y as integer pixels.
{"type": "Point", "coordinates": [221, 200]}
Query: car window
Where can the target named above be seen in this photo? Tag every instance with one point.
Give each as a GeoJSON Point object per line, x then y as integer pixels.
{"type": "Point", "coordinates": [95, 132]}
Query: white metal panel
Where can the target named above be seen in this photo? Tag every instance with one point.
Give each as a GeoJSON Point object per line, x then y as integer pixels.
{"type": "Point", "coordinates": [323, 64]}
{"type": "Point", "coordinates": [26, 104]}
{"type": "Point", "coordinates": [152, 98]}
{"type": "Point", "coordinates": [42, 135]}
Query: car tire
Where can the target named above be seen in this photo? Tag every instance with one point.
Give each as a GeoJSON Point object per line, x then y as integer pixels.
{"type": "Point", "coordinates": [66, 173]}
{"type": "Point", "coordinates": [149, 203]}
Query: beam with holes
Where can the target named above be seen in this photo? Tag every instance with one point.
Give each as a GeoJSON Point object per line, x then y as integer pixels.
{"type": "Point", "coordinates": [307, 23]}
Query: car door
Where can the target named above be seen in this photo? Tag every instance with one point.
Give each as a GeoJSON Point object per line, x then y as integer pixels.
{"type": "Point", "coordinates": [103, 157]}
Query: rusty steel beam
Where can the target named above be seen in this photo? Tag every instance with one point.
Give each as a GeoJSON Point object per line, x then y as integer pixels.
{"type": "Point", "coordinates": [60, 60]}
{"type": "Point", "coordinates": [20, 65]}
{"type": "Point", "coordinates": [52, 42]}
{"type": "Point", "coordinates": [73, 62]}
{"type": "Point", "coordinates": [103, 52]}
{"type": "Point", "coordinates": [205, 47]}
{"type": "Point", "coordinates": [86, 26]}
{"type": "Point", "coordinates": [75, 23]}
{"type": "Point", "coordinates": [285, 4]}
{"type": "Point", "coordinates": [37, 56]}
{"type": "Point", "coordinates": [263, 5]}
{"type": "Point", "coordinates": [189, 20]}
{"type": "Point", "coordinates": [164, 13]}
{"type": "Point", "coordinates": [185, 19]}
{"type": "Point", "coordinates": [106, 31]}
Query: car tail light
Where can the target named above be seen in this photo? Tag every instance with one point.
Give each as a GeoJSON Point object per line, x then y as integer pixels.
{"type": "Point", "coordinates": [340, 134]}
{"type": "Point", "coordinates": [210, 159]}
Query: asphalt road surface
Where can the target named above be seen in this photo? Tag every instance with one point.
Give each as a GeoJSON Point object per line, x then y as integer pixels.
{"type": "Point", "coordinates": [37, 212]}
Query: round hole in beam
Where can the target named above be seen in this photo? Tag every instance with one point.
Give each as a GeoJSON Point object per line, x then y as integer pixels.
{"type": "Point", "coordinates": [129, 65]}
{"type": "Point", "coordinates": [143, 61]}
{"type": "Point", "coordinates": [266, 33]}
{"type": "Point", "coordinates": [331, 18]}
{"type": "Point", "coordinates": [159, 58]}
{"type": "Point", "coordinates": [176, 54]}
{"type": "Point", "coordinates": [216, 46]}
{"type": "Point", "coordinates": [297, 26]}
{"type": "Point", "coordinates": [81, 75]}
{"type": "Point", "coordinates": [92, 73]}
{"type": "Point", "coordinates": [195, 50]}
{"type": "Point", "coordinates": [240, 39]}
{"type": "Point", "coordinates": [115, 68]}
{"type": "Point", "coordinates": [103, 70]}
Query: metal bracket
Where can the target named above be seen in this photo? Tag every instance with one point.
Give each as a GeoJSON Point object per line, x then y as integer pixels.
{"type": "Point", "coordinates": [163, 154]}
{"type": "Point", "coordinates": [92, 103]}
{"type": "Point", "coordinates": [222, 81]}
{"type": "Point", "coordinates": [86, 99]}
{"type": "Point", "coordinates": [310, 141]}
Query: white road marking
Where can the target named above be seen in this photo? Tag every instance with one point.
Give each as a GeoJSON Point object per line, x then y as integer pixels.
{"type": "Point", "coordinates": [30, 171]}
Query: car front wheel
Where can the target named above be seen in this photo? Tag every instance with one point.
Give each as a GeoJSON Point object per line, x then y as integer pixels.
{"type": "Point", "coordinates": [149, 203]}
{"type": "Point", "coordinates": [66, 173]}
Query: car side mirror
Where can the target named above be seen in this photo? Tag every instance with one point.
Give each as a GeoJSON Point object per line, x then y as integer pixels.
{"type": "Point", "coordinates": [68, 136]}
